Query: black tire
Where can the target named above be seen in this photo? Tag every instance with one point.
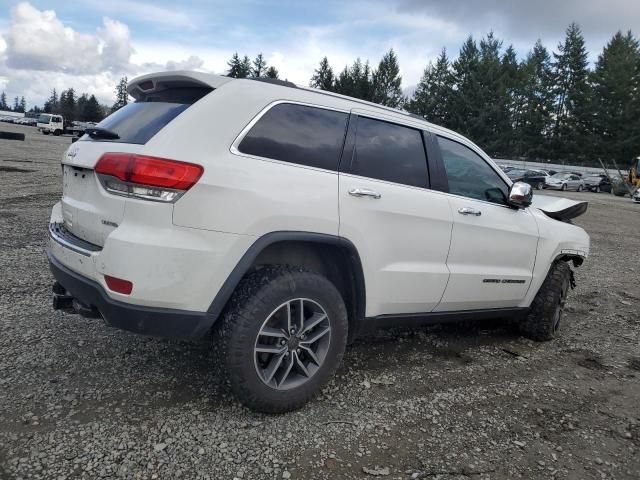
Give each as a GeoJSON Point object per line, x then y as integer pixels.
{"type": "Point", "coordinates": [12, 136]}
{"type": "Point", "coordinates": [254, 301]}
{"type": "Point", "coordinates": [564, 187]}
{"type": "Point", "coordinates": [579, 189]}
{"type": "Point", "coordinates": [597, 189]}
{"type": "Point", "coordinates": [544, 319]}
{"type": "Point", "coordinates": [539, 186]}
{"type": "Point", "coordinates": [44, 132]}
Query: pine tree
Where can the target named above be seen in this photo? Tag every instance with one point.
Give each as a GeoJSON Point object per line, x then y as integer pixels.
{"type": "Point", "coordinates": [92, 111]}
{"type": "Point", "coordinates": [245, 67]}
{"type": "Point", "coordinates": [272, 72]}
{"type": "Point", "coordinates": [235, 66]}
{"type": "Point", "coordinates": [534, 105]}
{"type": "Point", "coordinates": [570, 132]}
{"type": "Point", "coordinates": [343, 84]}
{"type": "Point", "coordinates": [51, 105]}
{"type": "Point", "coordinates": [433, 94]}
{"type": "Point", "coordinates": [23, 105]}
{"type": "Point", "coordinates": [122, 96]}
{"type": "Point", "coordinates": [3, 101]}
{"type": "Point", "coordinates": [68, 104]}
{"type": "Point", "coordinates": [259, 66]}
{"type": "Point", "coordinates": [616, 100]}
{"type": "Point", "coordinates": [323, 76]}
{"type": "Point", "coordinates": [16, 104]}
{"type": "Point", "coordinates": [387, 81]}
{"type": "Point", "coordinates": [465, 107]}
{"type": "Point", "coordinates": [81, 104]}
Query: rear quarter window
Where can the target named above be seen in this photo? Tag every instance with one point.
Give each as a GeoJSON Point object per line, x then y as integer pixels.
{"type": "Point", "coordinates": [139, 121]}
{"type": "Point", "coordinates": [298, 134]}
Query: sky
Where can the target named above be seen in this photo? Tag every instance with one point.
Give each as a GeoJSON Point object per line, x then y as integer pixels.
{"type": "Point", "coordinates": [90, 44]}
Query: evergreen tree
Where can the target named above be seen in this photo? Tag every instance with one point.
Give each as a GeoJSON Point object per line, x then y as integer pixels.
{"type": "Point", "coordinates": [344, 83]}
{"type": "Point", "coordinates": [534, 105]}
{"type": "Point", "coordinates": [570, 131]}
{"type": "Point", "coordinates": [386, 82]}
{"type": "Point", "coordinates": [272, 72]}
{"type": "Point", "coordinates": [68, 104]}
{"type": "Point", "coordinates": [3, 101]}
{"type": "Point", "coordinates": [52, 105]}
{"type": "Point", "coordinates": [16, 104]}
{"type": "Point", "coordinates": [433, 94]}
{"type": "Point", "coordinates": [259, 66]}
{"type": "Point", "coordinates": [323, 76]}
{"type": "Point", "coordinates": [616, 100]}
{"type": "Point", "coordinates": [91, 110]}
{"type": "Point", "coordinates": [245, 67]}
{"type": "Point", "coordinates": [122, 96]}
{"type": "Point", "coordinates": [465, 108]}
{"type": "Point", "coordinates": [23, 105]}
{"type": "Point", "coordinates": [235, 66]}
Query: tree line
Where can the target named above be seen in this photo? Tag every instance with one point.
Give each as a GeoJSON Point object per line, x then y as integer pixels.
{"type": "Point", "coordinates": [19, 104]}
{"type": "Point", "coordinates": [546, 106]}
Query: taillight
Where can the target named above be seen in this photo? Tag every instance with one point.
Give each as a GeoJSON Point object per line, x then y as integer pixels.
{"type": "Point", "coordinates": [149, 178]}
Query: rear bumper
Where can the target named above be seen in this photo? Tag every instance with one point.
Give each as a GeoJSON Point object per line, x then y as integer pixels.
{"type": "Point", "coordinates": [160, 322]}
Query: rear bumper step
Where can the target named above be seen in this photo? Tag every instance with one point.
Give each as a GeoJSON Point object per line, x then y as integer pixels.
{"type": "Point", "coordinates": [88, 298]}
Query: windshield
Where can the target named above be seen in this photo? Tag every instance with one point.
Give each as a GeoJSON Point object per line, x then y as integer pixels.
{"type": "Point", "coordinates": [515, 173]}
{"type": "Point", "coordinates": [44, 118]}
{"type": "Point", "coordinates": [596, 178]}
{"type": "Point", "coordinates": [561, 175]}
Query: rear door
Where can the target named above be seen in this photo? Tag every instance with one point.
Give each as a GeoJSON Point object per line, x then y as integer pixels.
{"type": "Point", "coordinates": [90, 212]}
{"type": "Point", "coordinates": [399, 226]}
{"type": "Point", "coordinates": [493, 246]}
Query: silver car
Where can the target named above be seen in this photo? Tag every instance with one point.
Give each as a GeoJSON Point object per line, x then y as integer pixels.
{"type": "Point", "coordinates": [565, 181]}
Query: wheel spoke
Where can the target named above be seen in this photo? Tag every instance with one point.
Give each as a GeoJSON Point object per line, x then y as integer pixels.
{"type": "Point", "coordinates": [300, 325]}
{"type": "Point", "coordinates": [287, 370]}
{"type": "Point", "coordinates": [300, 365]}
{"type": "Point", "coordinates": [271, 370]}
{"type": "Point", "coordinates": [321, 332]}
{"type": "Point", "coordinates": [273, 332]}
{"type": "Point", "coordinates": [275, 349]}
{"type": "Point", "coordinates": [289, 319]}
{"type": "Point", "coordinates": [311, 354]}
{"type": "Point", "coordinates": [315, 319]}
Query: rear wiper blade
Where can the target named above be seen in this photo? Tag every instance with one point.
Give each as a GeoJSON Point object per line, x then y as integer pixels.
{"type": "Point", "coordinates": [97, 132]}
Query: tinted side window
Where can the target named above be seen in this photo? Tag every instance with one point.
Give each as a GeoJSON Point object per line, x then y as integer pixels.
{"type": "Point", "coordinates": [469, 175]}
{"type": "Point", "coordinates": [298, 134]}
{"type": "Point", "coordinates": [389, 152]}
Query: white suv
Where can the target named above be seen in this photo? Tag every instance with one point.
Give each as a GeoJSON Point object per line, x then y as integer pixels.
{"type": "Point", "coordinates": [287, 220]}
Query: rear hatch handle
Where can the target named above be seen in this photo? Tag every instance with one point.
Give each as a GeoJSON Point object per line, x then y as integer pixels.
{"type": "Point", "coordinates": [97, 132]}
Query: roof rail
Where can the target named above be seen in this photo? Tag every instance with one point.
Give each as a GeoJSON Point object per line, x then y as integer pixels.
{"type": "Point", "coordinates": [274, 81]}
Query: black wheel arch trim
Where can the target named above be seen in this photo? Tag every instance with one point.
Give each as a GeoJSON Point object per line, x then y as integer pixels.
{"type": "Point", "coordinates": [244, 265]}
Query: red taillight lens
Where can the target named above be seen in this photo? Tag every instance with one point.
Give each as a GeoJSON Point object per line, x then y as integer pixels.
{"type": "Point", "coordinates": [119, 285]}
{"type": "Point", "coordinates": [149, 171]}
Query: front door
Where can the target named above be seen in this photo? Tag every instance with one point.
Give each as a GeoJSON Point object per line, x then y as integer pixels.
{"type": "Point", "coordinates": [493, 246]}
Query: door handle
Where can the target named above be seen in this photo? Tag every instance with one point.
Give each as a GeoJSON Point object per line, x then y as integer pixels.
{"type": "Point", "coordinates": [469, 211]}
{"type": "Point", "coordinates": [364, 192]}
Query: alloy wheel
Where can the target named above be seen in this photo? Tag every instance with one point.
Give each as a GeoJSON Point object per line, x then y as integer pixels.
{"type": "Point", "coordinates": [292, 344]}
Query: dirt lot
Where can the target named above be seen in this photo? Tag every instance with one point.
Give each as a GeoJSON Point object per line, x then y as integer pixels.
{"type": "Point", "coordinates": [81, 400]}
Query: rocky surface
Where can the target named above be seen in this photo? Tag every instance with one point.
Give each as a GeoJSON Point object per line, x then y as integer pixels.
{"type": "Point", "coordinates": [81, 400]}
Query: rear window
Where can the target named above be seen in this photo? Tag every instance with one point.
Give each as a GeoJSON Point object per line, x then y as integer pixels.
{"type": "Point", "coordinates": [298, 134]}
{"type": "Point", "coordinates": [138, 122]}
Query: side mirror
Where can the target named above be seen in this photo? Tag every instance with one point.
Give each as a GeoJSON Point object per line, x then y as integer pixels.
{"type": "Point", "coordinates": [520, 195]}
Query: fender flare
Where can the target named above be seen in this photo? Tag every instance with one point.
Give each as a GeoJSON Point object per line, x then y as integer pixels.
{"type": "Point", "coordinates": [245, 263]}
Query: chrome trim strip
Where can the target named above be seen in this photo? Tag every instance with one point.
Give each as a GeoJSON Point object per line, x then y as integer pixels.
{"type": "Point", "coordinates": [65, 243]}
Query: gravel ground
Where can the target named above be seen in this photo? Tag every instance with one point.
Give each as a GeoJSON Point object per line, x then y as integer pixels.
{"type": "Point", "coordinates": [81, 400]}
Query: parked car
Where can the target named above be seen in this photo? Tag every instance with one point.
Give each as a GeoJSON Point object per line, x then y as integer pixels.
{"type": "Point", "coordinates": [597, 183]}
{"type": "Point", "coordinates": [534, 178]}
{"type": "Point", "coordinates": [565, 181]}
{"type": "Point", "coordinates": [636, 196]}
{"type": "Point", "coordinates": [291, 221]}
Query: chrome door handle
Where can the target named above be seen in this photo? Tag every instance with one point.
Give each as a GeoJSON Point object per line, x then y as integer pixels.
{"type": "Point", "coordinates": [469, 211]}
{"type": "Point", "coordinates": [364, 192]}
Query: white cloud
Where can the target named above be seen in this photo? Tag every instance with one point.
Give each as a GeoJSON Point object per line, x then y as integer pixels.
{"type": "Point", "coordinates": [146, 11]}
{"type": "Point", "coordinates": [116, 48]}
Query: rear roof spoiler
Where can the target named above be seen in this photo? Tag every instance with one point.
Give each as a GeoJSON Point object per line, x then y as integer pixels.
{"type": "Point", "coordinates": [155, 82]}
